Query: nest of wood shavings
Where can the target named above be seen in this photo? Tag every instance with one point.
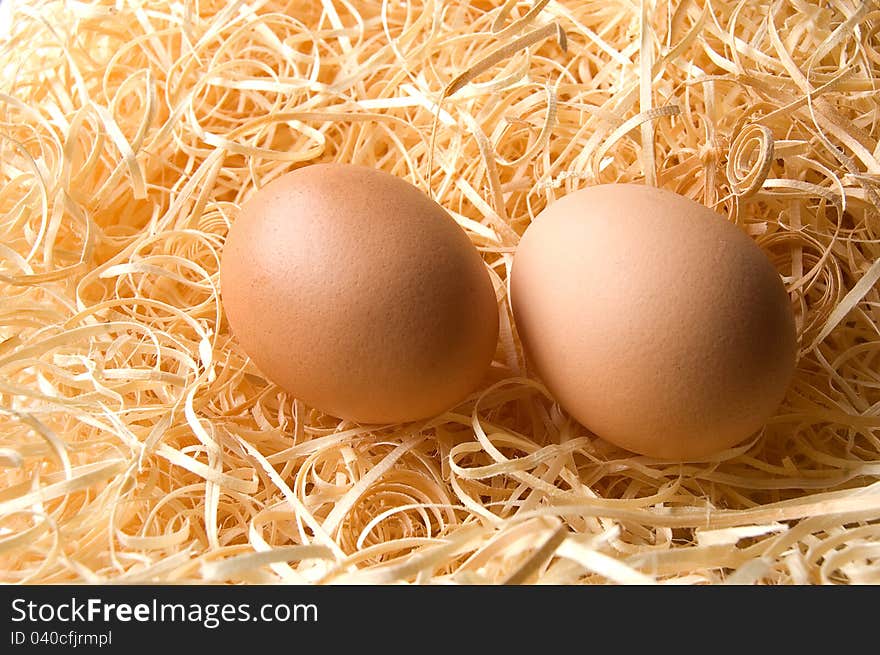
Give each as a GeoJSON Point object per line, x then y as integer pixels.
{"type": "Point", "coordinates": [137, 441]}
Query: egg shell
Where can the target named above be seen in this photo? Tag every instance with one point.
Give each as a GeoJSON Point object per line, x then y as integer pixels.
{"type": "Point", "coordinates": [354, 291]}
{"type": "Point", "coordinates": [654, 321]}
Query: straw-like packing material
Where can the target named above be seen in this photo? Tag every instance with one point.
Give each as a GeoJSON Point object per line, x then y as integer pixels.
{"type": "Point", "coordinates": [137, 441]}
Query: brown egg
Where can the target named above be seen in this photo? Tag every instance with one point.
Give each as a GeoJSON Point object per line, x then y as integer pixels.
{"type": "Point", "coordinates": [655, 322]}
{"type": "Point", "coordinates": [357, 293]}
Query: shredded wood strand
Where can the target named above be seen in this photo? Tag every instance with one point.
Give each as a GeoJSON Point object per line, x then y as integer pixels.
{"type": "Point", "coordinates": [138, 443]}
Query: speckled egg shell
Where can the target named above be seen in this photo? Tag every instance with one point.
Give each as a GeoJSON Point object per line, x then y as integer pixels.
{"type": "Point", "coordinates": [357, 293]}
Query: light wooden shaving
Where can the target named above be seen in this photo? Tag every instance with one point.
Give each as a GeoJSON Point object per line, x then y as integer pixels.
{"type": "Point", "coordinates": [139, 444]}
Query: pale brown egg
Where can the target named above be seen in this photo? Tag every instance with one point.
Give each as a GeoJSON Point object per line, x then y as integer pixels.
{"type": "Point", "coordinates": [655, 322]}
{"type": "Point", "coordinates": [357, 293]}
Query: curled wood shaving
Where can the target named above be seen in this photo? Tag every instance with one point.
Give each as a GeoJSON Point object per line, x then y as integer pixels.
{"type": "Point", "coordinates": [138, 443]}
